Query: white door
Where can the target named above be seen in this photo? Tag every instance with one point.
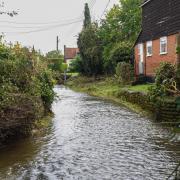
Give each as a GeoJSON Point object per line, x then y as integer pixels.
{"type": "Point", "coordinates": [141, 58]}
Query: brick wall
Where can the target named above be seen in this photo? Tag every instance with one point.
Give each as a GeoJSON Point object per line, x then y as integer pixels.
{"type": "Point", "coordinates": [166, 112]}
{"type": "Point", "coordinates": [152, 62]}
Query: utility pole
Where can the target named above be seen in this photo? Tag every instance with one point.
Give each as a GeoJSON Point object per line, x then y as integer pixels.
{"type": "Point", "coordinates": [57, 43]}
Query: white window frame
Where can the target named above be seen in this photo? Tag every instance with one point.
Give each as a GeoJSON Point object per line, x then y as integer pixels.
{"type": "Point", "coordinates": [163, 40]}
{"type": "Point", "coordinates": [149, 44]}
{"type": "Point", "coordinates": [139, 49]}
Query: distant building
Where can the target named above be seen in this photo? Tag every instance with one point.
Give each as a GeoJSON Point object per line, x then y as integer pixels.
{"type": "Point", "coordinates": [70, 54]}
{"type": "Point", "coordinates": [158, 39]}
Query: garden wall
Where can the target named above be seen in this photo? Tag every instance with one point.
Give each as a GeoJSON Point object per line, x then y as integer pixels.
{"type": "Point", "coordinates": [166, 112]}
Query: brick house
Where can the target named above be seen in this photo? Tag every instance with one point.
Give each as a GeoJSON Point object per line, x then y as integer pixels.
{"type": "Point", "coordinates": [159, 37]}
{"type": "Point", "coordinates": [70, 54]}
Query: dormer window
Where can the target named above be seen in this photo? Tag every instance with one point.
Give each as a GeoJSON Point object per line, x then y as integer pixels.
{"type": "Point", "coordinates": [163, 45]}
{"type": "Point", "coordinates": [149, 48]}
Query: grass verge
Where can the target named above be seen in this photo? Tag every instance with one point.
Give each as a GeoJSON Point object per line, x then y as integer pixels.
{"type": "Point", "coordinates": [107, 89]}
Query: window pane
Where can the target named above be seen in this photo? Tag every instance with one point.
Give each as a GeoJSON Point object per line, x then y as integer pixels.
{"type": "Point", "coordinates": [149, 48]}
{"type": "Point", "coordinates": [163, 45]}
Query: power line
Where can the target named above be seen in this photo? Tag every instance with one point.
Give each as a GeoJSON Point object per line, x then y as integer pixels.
{"type": "Point", "coordinates": [91, 5]}
{"type": "Point", "coordinates": [45, 23]}
{"type": "Point", "coordinates": [105, 8]}
{"type": "Point", "coordinates": [31, 27]}
{"type": "Point", "coordinates": [45, 29]}
{"type": "Point", "coordinates": [38, 23]}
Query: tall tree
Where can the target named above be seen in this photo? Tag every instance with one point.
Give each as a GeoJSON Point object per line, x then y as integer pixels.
{"type": "Point", "coordinates": [87, 16]}
{"type": "Point", "coordinates": [119, 31]}
{"type": "Point", "coordinates": [89, 46]}
{"type": "Point", "coordinates": [130, 18]}
{"type": "Point", "coordinates": [90, 50]}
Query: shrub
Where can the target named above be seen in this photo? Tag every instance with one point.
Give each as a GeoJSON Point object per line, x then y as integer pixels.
{"type": "Point", "coordinates": [23, 72]}
{"type": "Point", "coordinates": [124, 73]}
{"type": "Point", "coordinates": [164, 72]}
{"type": "Point", "coordinates": [120, 52]}
{"type": "Point", "coordinates": [76, 65]}
{"type": "Point", "coordinates": [165, 82]}
{"type": "Point", "coordinates": [55, 61]}
{"type": "Point", "coordinates": [64, 67]}
{"type": "Point", "coordinates": [47, 93]}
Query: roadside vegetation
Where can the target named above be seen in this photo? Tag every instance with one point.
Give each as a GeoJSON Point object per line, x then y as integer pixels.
{"type": "Point", "coordinates": [26, 88]}
{"type": "Point", "coordinates": [107, 88]}
{"type": "Point", "coordinates": [102, 46]}
{"type": "Point", "coordinates": [105, 62]}
{"type": "Point", "coordinates": [55, 63]}
{"type": "Point", "coordinates": [24, 72]}
{"type": "Point", "coordinates": [106, 49]}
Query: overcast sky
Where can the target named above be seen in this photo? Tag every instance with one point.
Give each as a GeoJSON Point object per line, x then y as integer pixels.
{"type": "Point", "coordinates": [50, 18]}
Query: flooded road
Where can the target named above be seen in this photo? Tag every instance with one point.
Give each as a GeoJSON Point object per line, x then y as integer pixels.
{"type": "Point", "coordinates": [91, 139]}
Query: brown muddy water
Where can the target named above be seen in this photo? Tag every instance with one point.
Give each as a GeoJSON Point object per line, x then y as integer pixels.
{"type": "Point", "coordinates": [91, 139]}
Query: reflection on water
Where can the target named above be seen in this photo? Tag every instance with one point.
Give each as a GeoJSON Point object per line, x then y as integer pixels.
{"type": "Point", "coordinates": [92, 139]}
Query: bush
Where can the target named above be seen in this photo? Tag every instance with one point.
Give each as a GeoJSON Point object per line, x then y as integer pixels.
{"type": "Point", "coordinates": [165, 71]}
{"type": "Point", "coordinates": [90, 48]}
{"type": "Point", "coordinates": [124, 73]}
{"type": "Point", "coordinates": [165, 82]}
{"type": "Point", "coordinates": [120, 52]}
{"type": "Point", "coordinates": [76, 65]}
{"type": "Point", "coordinates": [55, 61]}
{"type": "Point", "coordinates": [23, 72]}
{"type": "Point", "coordinates": [47, 93]}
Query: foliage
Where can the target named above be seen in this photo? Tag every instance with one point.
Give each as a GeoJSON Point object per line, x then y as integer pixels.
{"type": "Point", "coordinates": [54, 55]}
{"type": "Point", "coordinates": [4, 52]}
{"type": "Point", "coordinates": [165, 71]}
{"type": "Point", "coordinates": [124, 73]}
{"type": "Point", "coordinates": [23, 72]}
{"type": "Point", "coordinates": [90, 51]}
{"type": "Point", "coordinates": [76, 65]}
{"type": "Point", "coordinates": [55, 60]}
{"type": "Point", "coordinates": [178, 50]}
{"type": "Point", "coordinates": [87, 16]}
{"type": "Point", "coordinates": [118, 32]}
{"type": "Point", "coordinates": [102, 48]}
{"type": "Point", "coordinates": [109, 89]}
{"type": "Point", "coordinates": [141, 88]}
{"type": "Point", "coordinates": [46, 87]}
{"type": "Point", "coordinates": [165, 82]}
{"type": "Point", "coordinates": [130, 18]}
{"type": "Point", "coordinates": [64, 67]}
{"type": "Point", "coordinates": [120, 52]}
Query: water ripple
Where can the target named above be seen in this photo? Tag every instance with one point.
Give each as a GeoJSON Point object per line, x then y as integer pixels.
{"type": "Point", "coordinates": [92, 140]}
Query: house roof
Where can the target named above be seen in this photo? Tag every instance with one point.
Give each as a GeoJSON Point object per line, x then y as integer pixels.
{"type": "Point", "coordinates": [159, 18]}
{"type": "Point", "coordinates": [70, 53]}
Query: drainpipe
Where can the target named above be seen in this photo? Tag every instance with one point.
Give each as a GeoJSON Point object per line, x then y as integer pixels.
{"type": "Point", "coordinates": [64, 53]}
{"type": "Point", "coordinates": [178, 50]}
{"type": "Point", "coordinates": [144, 59]}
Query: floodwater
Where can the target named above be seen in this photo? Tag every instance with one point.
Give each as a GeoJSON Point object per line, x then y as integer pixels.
{"type": "Point", "coordinates": [91, 139]}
